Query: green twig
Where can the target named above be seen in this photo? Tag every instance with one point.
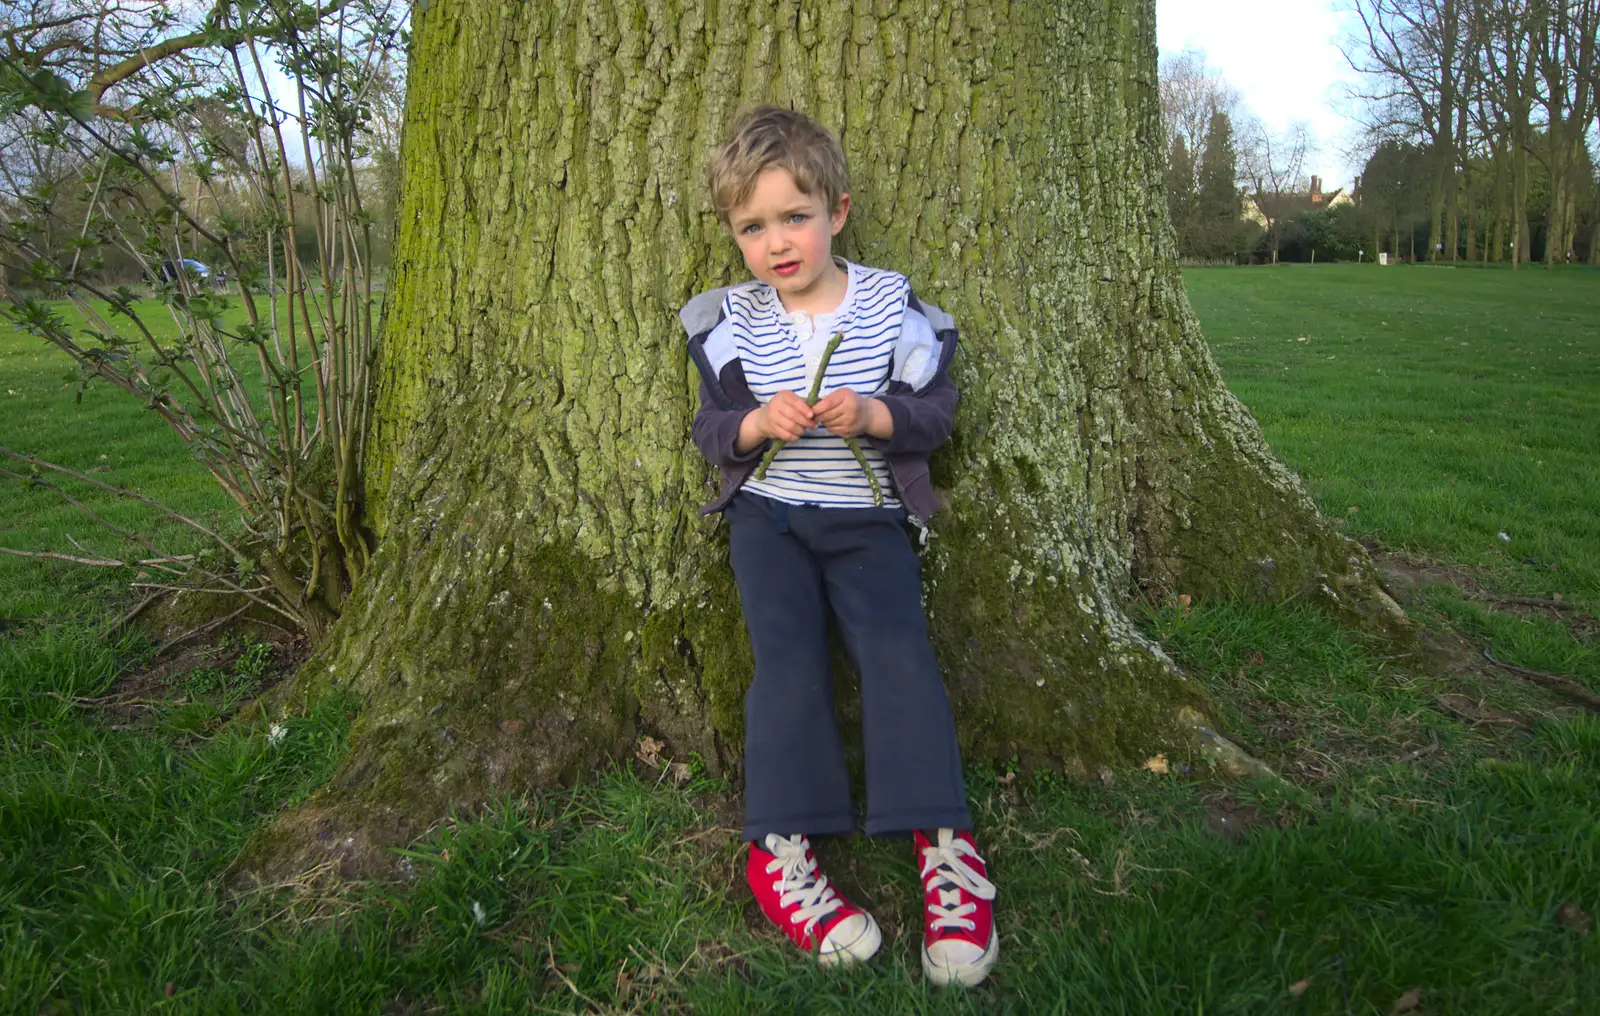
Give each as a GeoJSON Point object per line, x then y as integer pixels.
{"type": "Point", "coordinates": [811, 400]}
{"type": "Point", "coordinates": [850, 442]}
{"type": "Point", "coordinates": [872, 478]}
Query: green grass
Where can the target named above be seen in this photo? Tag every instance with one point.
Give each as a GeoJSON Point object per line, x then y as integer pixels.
{"type": "Point", "coordinates": [110, 436]}
{"type": "Point", "coordinates": [1412, 850]}
{"type": "Point", "coordinates": [1430, 408]}
{"type": "Point", "coordinates": [1119, 898]}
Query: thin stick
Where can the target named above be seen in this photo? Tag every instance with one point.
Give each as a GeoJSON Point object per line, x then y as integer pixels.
{"type": "Point", "coordinates": [101, 704]}
{"type": "Point", "coordinates": [138, 609]}
{"type": "Point", "coordinates": [208, 626]}
{"type": "Point", "coordinates": [872, 478]}
{"type": "Point", "coordinates": [130, 495]}
{"type": "Point", "coordinates": [850, 442]}
{"type": "Point", "coordinates": [811, 400]}
{"type": "Point", "coordinates": [96, 562]}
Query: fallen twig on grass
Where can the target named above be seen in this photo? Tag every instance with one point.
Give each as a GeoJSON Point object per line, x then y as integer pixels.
{"type": "Point", "coordinates": [155, 563]}
{"type": "Point", "coordinates": [138, 608]}
{"type": "Point", "coordinates": [1466, 710]}
{"type": "Point", "coordinates": [191, 633]}
{"type": "Point", "coordinates": [555, 968]}
{"type": "Point", "coordinates": [1560, 685]}
{"type": "Point", "coordinates": [1426, 750]}
{"type": "Point", "coordinates": [105, 701]}
{"type": "Point", "coordinates": [97, 562]}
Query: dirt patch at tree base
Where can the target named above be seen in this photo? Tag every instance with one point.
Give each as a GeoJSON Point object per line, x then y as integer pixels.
{"type": "Point", "coordinates": [1233, 820]}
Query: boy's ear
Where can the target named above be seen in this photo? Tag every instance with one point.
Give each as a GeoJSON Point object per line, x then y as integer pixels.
{"type": "Point", "coordinates": [841, 212]}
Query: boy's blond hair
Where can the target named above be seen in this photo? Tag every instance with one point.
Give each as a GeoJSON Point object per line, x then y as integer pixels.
{"type": "Point", "coordinates": [767, 137]}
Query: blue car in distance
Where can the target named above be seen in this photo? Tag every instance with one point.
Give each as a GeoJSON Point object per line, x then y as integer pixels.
{"type": "Point", "coordinates": [168, 270]}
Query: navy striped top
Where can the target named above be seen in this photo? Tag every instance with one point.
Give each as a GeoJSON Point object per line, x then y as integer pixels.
{"type": "Point", "coordinates": [782, 351]}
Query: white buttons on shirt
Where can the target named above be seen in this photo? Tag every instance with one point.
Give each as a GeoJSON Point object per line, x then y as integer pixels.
{"type": "Point", "coordinates": [812, 335]}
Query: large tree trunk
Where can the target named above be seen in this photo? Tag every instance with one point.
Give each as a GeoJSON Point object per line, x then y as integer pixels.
{"type": "Point", "coordinates": [545, 593]}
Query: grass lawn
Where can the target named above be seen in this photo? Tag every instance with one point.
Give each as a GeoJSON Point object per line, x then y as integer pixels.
{"type": "Point", "coordinates": [1440, 832]}
{"type": "Point", "coordinates": [1430, 408]}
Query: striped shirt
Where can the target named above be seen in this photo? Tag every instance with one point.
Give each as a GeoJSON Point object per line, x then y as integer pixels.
{"type": "Point", "coordinates": [781, 351]}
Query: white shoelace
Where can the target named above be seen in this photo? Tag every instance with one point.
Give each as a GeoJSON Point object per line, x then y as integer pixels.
{"type": "Point", "coordinates": [943, 869]}
{"type": "Point", "coordinates": [800, 882]}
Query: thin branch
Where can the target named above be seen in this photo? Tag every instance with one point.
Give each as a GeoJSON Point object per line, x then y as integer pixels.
{"type": "Point", "coordinates": [150, 55]}
{"type": "Point", "coordinates": [209, 626]}
{"type": "Point", "coordinates": [98, 562]}
{"type": "Point", "coordinates": [130, 495]}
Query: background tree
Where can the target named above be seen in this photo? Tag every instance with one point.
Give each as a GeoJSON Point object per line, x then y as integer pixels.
{"type": "Point", "coordinates": [1218, 230]}
{"type": "Point", "coordinates": [1321, 234]}
{"type": "Point", "coordinates": [544, 592]}
{"type": "Point", "coordinates": [1393, 196]}
{"type": "Point", "coordinates": [1500, 95]}
{"type": "Point", "coordinates": [1273, 163]}
{"type": "Point", "coordinates": [1416, 52]}
{"type": "Point", "coordinates": [1564, 47]}
{"type": "Point", "coordinates": [1181, 195]}
{"type": "Point", "coordinates": [1192, 93]}
{"type": "Point", "coordinates": [1592, 224]}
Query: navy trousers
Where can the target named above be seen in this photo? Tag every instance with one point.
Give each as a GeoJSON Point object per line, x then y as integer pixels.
{"type": "Point", "coordinates": [794, 563]}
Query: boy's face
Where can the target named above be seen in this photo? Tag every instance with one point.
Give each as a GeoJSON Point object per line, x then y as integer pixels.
{"type": "Point", "coordinates": [786, 237]}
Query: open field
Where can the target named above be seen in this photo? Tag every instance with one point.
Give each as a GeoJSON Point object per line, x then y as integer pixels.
{"type": "Point", "coordinates": [1431, 408]}
{"type": "Point", "coordinates": [1439, 831]}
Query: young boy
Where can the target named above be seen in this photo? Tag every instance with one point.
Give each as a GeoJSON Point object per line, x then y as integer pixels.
{"type": "Point", "coordinates": [810, 536]}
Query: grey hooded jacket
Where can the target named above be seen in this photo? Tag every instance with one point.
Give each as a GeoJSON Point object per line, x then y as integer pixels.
{"type": "Point", "coordinates": [922, 415]}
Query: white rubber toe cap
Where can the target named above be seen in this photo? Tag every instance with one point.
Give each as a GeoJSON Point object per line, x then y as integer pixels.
{"type": "Point", "coordinates": [853, 940]}
{"type": "Point", "coordinates": [953, 961]}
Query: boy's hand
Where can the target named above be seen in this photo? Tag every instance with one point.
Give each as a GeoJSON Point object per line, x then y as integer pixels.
{"type": "Point", "coordinates": [847, 414]}
{"type": "Point", "coordinates": [785, 418]}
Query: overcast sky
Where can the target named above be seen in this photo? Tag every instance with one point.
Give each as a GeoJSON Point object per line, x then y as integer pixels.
{"type": "Point", "coordinates": [1283, 56]}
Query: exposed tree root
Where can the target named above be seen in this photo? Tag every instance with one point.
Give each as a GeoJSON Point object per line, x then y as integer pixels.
{"type": "Point", "coordinates": [1560, 685]}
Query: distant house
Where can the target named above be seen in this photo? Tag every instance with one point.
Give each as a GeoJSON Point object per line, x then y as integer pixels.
{"type": "Point", "coordinates": [1292, 203]}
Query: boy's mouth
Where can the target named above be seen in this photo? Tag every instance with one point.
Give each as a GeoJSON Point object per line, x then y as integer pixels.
{"type": "Point", "coordinates": [786, 268]}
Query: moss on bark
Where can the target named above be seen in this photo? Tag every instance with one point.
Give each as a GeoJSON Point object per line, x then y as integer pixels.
{"type": "Point", "coordinates": [545, 593]}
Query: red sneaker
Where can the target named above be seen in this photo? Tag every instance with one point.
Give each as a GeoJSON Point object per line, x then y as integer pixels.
{"type": "Point", "coordinates": [959, 944]}
{"type": "Point", "coordinates": [804, 906]}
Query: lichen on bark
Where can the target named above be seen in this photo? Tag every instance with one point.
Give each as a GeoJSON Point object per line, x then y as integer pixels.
{"type": "Point", "coordinates": [545, 591]}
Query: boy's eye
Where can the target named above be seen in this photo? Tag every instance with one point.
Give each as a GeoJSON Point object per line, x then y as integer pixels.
{"type": "Point", "coordinates": [798, 217]}
{"type": "Point", "coordinates": [751, 228]}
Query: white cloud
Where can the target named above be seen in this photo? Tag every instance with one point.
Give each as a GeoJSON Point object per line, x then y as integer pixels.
{"type": "Point", "coordinates": [1283, 56]}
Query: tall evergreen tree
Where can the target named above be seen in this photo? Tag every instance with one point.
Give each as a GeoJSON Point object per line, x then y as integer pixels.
{"type": "Point", "coordinates": [1216, 227]}
{"type": "Point", "coordinates": [1181, 194]}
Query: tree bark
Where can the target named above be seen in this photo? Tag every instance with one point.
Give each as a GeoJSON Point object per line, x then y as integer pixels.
{"type": "Point", "coordinates": [1594, 231]}
{"type": "Point", "coordinates": [1471, 199]}
{"type": "Point", "coordinates": [545, 593]}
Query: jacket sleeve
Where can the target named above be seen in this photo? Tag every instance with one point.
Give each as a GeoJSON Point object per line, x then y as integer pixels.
{"type": "Point", "coordinates": [716, 433]}
{"type": "Point", "coordinates": [924, 416]}
{"type": "Point", "coordinates": [922, 420]}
